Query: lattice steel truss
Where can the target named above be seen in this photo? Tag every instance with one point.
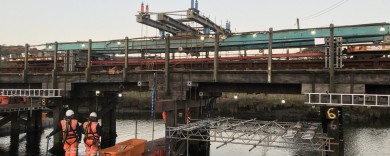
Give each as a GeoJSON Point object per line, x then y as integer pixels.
{"type": "Point", "coordinates": [301, 135]}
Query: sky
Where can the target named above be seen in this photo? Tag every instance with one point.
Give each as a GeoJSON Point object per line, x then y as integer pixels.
{"type": "Point", "coordinates": [46, 21]}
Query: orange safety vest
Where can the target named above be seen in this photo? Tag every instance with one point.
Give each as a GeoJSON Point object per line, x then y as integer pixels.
{"type": "Point", "coordinates": [90, 130]}
{"type": "Point", "coordinates": [69, 130]}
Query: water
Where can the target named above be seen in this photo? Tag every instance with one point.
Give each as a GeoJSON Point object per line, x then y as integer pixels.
{"type": "Point", "coordinates": [359, 141]}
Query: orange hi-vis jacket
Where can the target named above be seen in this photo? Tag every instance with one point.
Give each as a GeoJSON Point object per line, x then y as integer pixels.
{"type": "Point", "coordinates": [69, 130]}
{"type": "Point", "coordinates": [90, 130]}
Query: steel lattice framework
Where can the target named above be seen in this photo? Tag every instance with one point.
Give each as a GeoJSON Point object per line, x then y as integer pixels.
{"type": "Point", "coordinates": [301, 135]}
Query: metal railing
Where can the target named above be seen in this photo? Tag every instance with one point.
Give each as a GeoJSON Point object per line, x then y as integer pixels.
{"type": "Point", "coordinates": [31, 92]}
{"type": "Point", "coordinates": [339, 99]}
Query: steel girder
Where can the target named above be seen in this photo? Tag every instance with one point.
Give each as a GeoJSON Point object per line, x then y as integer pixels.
{"type": "Point", "coordinates": [243, 41]}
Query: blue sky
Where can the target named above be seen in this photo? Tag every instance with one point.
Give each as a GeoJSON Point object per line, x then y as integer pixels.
{"type": "Point", "coordinates": [43, 21]}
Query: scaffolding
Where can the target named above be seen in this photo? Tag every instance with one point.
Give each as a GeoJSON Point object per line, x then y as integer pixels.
{"type": "Point", "coordinates": [294, 135]}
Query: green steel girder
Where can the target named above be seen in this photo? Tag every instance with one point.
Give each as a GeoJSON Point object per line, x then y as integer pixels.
{"type": "Point", "coordinates": [248, 41]}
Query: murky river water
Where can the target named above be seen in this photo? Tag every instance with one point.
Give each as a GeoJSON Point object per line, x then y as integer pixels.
{"type": "Point", "coordinates": [359, 141]}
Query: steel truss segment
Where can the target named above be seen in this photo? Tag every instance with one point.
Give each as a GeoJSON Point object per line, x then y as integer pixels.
{"type": "Point", "coordinates": [308, 136]}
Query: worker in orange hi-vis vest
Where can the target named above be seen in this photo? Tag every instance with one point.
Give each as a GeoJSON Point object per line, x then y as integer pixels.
{"type": "Point", "coordinates": [71, 133]}
{"type": "Point", "coordinates": [92, 133]}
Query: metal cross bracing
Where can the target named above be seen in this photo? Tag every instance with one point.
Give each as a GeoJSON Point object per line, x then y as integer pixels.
{"type": "Point", "coordinates": [339, 99]}
{"type": "Point", "coordinates": [300, 135]}
{"type": "Point", "coordinates": [44, 93]}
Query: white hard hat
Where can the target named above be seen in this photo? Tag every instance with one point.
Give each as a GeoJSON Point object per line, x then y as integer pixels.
{"type": "Point", "coordinates": [69, 113]}
{"type": "Point", "coordinates": [93, 114]}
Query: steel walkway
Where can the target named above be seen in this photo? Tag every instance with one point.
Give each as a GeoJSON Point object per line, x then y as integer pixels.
{"type": "Point", "coordinates": [301, 135]}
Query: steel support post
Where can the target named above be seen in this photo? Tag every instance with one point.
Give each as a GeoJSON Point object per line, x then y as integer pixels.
{"type": "Point", "coordinates": [216, 55]}
{"type": "Point", "coordinates": [269, 77]}
{"type": "Point", "coordinates": [167, 48]}
{"type": "Point", "coordinates": [67, 62]}
{"type": "Point", "coordinates": [331, 60]}
{"type": "Point", "coordinates": [24, 74]}
{"type": "Point", "coordinates": [126, 59]}
{"type": "Point", "coordinates": [54, 71]}
{"type": "Point", "coordinates": [88, 69]}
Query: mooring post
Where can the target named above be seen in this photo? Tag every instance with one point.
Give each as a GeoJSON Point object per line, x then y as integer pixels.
{"type": "Point", "coordinates": [216, 55]}
{"type": "Point", "coordinates": [24, 74]}
{"type": "Point", "coordinates": [108, 116]}
{"type": "Point", "coordinates": [269, 77]}
{"type": "Point", "coordinates": [88, 69]}
{"type": "Point", "coordinates": [167, 50]}
{"type": "Point", "coordinates": [126, 59]}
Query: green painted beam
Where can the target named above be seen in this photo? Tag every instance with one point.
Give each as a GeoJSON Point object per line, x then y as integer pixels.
{"type": "Point", "coordinates": [248, 41]}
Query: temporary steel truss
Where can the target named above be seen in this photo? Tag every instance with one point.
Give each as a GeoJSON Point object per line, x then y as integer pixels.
{"type": "Point", "coordinates": [337, 99]}
{"type": "Point", "coordinates": [301, 135]}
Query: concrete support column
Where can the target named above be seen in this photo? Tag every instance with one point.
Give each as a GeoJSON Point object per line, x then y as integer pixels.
{"type": "Point", "coordinates": [126, 59]}
{"type": "Point", "coordinates": [245, 54]}
{"type": "Point", "coordinates": [216, 55]}
{"type": "Point", "coordinates": [167, 49]}
{"type": "Point", "coordinates": [25, 70]}
{"type": "Point", "coordinates": [331, 61]}
{"type": "Point", "coordinates": [207, 54]}
{"type": "Point", "coordinates": [88, 69]}
{"type": "Point", "coordinates": [269, 77]}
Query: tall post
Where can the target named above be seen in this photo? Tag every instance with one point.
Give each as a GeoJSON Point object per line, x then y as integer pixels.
{"type": "Point", "coordinates": [331, 61]}
{"type": "Point", "coordinates": [167, 49]}
{"type": "Point", "coordinates": [24, 74]}
{"type": "Point", "coordinates": [67, 63]}
{"type": "Point", "coordinates": [269, 78]}
{"type": "Point", "coordinates": [299, 27]}
{"type": "Point", "coordinates": [126, 59]}
{"type": "Point", "coordinates": [54, 71]}
{"type": "Point", "coordinates": [216, 55]}
{"type": "Point", "coordinates": [88, 70]}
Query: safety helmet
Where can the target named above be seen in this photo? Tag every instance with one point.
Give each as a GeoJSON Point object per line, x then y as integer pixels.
{"type": "Point", "coordinates": [93, 114]}
{"type": "Point", "coordinates": [69, 113]}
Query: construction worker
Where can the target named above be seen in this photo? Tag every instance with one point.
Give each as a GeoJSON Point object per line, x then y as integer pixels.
{"type": "Point", "coordinates": [92, 133]}
{"type": "Point", "coordinates": [71, 133]}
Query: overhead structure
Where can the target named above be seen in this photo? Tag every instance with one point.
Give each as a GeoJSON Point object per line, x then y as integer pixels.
{"type": "Point", "coordinates": [193, 14]}
{"type": "Point", "coordinates": [375, 32]}
{"type": "Point", "coordinates": [145, 19]}
{"type": "Point", "coordinates": [163, 18]}
{"type": "Point", "coordinates": [301, 135]}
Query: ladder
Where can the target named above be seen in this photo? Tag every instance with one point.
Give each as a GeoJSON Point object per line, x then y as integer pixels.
{"type": "Point", "coordinates": [45, 93]}
{"type": "Point", "coordinates": [339, 99]}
